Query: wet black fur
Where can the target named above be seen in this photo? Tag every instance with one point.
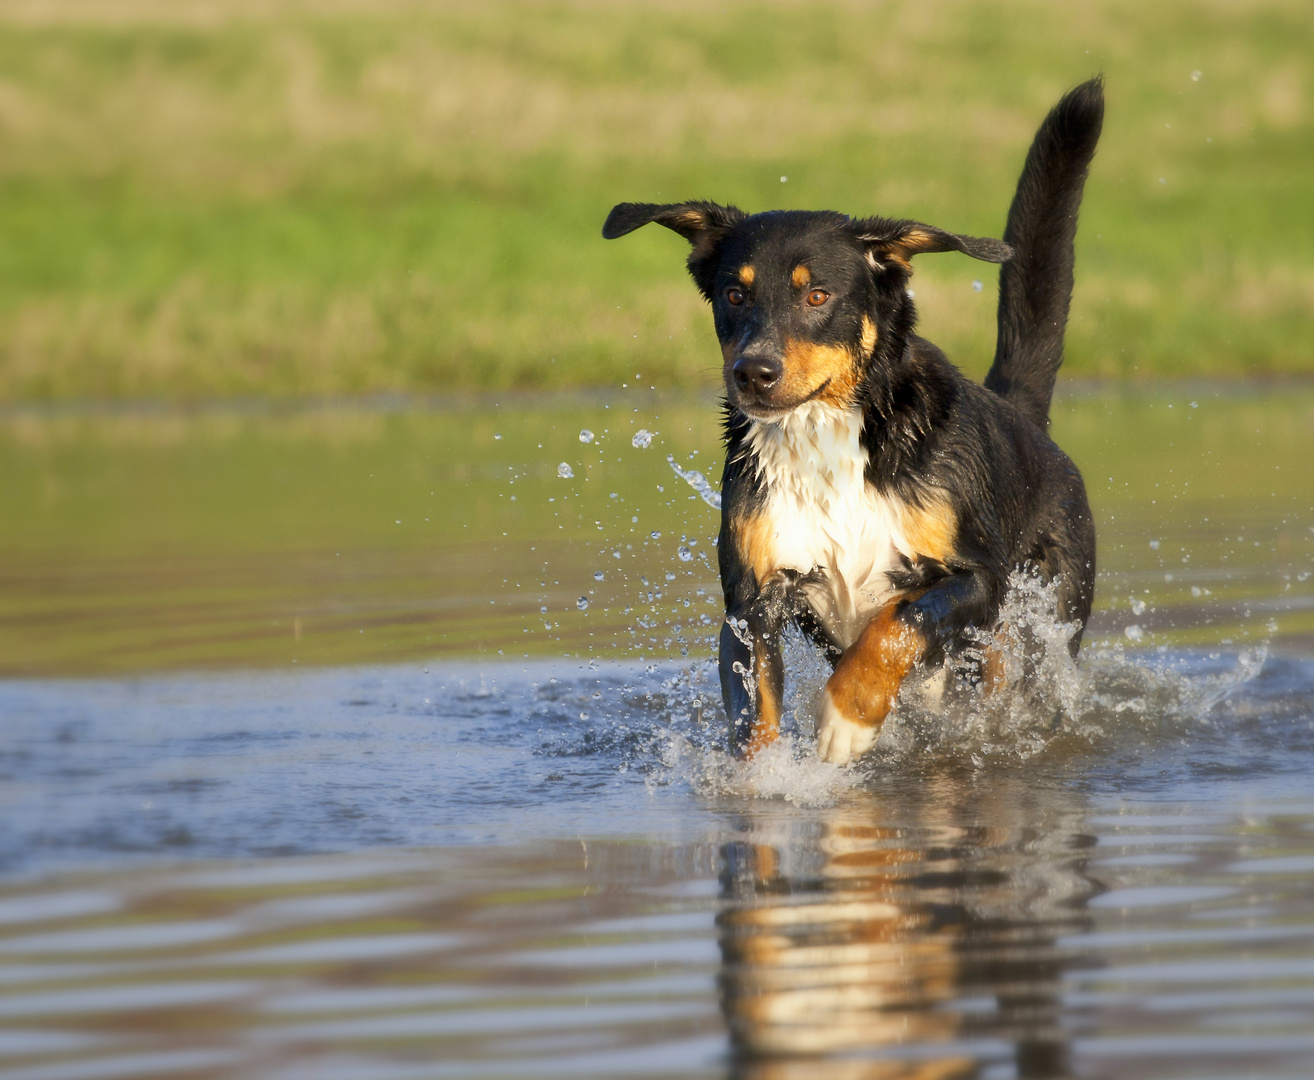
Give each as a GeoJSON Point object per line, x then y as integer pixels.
{"type": "Point", "coordinates": [1035, 286]}
{"type": "Point", "coordinates": [1019, 501]}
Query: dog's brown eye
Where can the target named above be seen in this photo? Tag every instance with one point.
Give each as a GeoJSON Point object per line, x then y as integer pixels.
{"type": "Point", "coordinates": [734, 296]}
{"type": "Point", "coordinates": [817, 297]}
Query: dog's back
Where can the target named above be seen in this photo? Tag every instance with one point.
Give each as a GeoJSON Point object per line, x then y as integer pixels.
{"type": "Point", "coordinates": [1035, 286]}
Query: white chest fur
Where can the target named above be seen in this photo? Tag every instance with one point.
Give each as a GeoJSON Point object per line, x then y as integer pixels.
{"type": "Point", "coordinates": [822, 515]}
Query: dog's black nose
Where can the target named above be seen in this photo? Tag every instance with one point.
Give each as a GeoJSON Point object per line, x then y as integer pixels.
{"type": "Point", "coordinates": [756, 374]}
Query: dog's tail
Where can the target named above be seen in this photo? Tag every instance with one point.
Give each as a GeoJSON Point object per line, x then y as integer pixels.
{"type": "Point", "coordinates": [1035, 286]}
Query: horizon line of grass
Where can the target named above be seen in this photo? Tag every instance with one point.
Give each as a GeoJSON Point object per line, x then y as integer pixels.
{"type": "Point", "coordinates": [329, 198]}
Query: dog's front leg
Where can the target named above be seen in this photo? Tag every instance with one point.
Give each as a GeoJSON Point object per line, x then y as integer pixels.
{"type": "Point", "coordinates": [916, 627]}
{"type": "Point", "coordinates": [752, 678]}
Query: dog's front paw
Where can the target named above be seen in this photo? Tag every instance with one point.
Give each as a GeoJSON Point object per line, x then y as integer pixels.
{"type": "Point", "coordinates": [839, 739]}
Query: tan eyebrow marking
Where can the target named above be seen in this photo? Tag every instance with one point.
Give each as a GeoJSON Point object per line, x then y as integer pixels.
{"type": "Point", "coordinates": [747, 275]}
{"type": "Point", "coordinates": [801, 277]}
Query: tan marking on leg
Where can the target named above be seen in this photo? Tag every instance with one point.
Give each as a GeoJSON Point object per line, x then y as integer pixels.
{"type": "Point", "coordinates": [932, 530]}
{"type": "Point", "coordinates": [766, 726]}
{"type": "Point", "coordinates": [753, 538]}
{"type": "Point", "coordinates": [747, 275]}
{"type": "Point", "coordinates": [801, 277]}
{"type": "Point", "coordinates": [868, 675]}
{"type": "Point", "coordinates": [994, 670]}
{"type": "Point", "coordinates": [868, 342]}
{"type": "Point", "coordinates": [866, 681]}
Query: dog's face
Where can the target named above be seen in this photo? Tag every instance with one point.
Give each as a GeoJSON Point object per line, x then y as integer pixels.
{"type": "Point", "coordinates": [803, 300]}
{"type": "Point", "coordinates": [793, 297]}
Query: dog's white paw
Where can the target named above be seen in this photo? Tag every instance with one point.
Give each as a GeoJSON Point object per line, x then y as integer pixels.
{"type": "Point", "coordinates": [839, 739]}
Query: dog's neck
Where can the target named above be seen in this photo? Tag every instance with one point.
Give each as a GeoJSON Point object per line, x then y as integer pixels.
{"type": "Point", "coordinates": [813, 453]}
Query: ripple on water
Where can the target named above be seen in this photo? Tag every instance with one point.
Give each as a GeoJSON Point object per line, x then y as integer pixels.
{"type": "Point", "coordinates": [1078, 841]}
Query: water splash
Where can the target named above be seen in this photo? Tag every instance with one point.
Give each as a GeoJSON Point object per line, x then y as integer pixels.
{"type": "Point", "coordinates": [697, 481]}
{"type": "Point", "coordinates": [788, 769]}
{"type": "Point", "coordinates": [1045, 704]}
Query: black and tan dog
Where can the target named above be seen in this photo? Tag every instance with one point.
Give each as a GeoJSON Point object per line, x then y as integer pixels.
{"type": "Point", "coordinates": [872, 493]}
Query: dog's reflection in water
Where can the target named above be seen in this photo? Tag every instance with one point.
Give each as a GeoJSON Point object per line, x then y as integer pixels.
{"type": "Point", "coordinates": [909, 941]}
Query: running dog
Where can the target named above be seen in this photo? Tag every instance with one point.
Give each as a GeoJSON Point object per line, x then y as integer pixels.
{"type": "Point", "coordinates": [873, 494]}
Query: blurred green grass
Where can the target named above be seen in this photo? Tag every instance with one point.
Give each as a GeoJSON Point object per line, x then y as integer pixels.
{"type": "Point", "coordinates": [207, 198]}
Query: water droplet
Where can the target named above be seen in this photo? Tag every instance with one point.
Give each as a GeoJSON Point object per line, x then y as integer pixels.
{"type": "Point", "coordinates": [497, 434]}
{"type": "Point", "coordinates": [685, 554]}
{"type": "Point", "coordinates": [977, 286]}
{"type": "Point", "coordinates": [784, 179]}
{"type": "Point", "coordinates": [1134, 633]}
{"type": "Point", "coordinates": [1196, 76]}
{"type": "Point", "coordinates": [598, 575]}
{"type": "Point", "coordinates": [642, 439]}
{"type": "Point", "coordinates": [655, 534]}
{"type": "Point", "coordinates": [697, 481]}
{"type": "Point", "coordinates": [582, 603]}
{"type": "Point", "coordinates": [564, 471]}
{"type": "Point", "coordinates": [542, 610]}
{"type": "Point", "coordinates": [586, 436]}
{"type": "Point", "coordinates": [1137, 606]}
{"type": "Point", "coordinates": [1154, 545]}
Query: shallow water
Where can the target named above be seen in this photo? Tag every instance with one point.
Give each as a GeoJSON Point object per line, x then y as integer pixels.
{"type": "Point", "coordinates": [406, 864]}
{"type": "Point", "coordinates": [142, 540]}
{"type": "Point", "coordinates": [310, 875]}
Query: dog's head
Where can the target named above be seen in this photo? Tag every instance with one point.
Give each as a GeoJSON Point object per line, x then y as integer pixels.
{"type": "Point", "coordinates": [809, 305]}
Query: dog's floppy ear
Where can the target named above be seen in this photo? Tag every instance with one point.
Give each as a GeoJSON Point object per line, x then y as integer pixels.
{"type": "Point", "coordinates": [703, 224]}
{"type": "Point", "coordinates": [901, 240]}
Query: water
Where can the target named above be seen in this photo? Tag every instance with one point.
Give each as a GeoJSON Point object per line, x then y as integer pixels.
{"type": "Point", "coordinates": [469, 843]}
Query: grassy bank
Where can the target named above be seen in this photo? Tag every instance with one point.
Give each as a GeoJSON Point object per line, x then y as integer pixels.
{"type": "Point", "coordinates": [235, 197]}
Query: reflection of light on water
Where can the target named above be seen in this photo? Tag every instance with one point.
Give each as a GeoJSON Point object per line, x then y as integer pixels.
{"type": "Point", "coordinates": [897, 925]}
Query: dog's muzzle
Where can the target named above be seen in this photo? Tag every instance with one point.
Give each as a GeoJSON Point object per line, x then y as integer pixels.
{"type": "Point", "coordinates": [756, 375]}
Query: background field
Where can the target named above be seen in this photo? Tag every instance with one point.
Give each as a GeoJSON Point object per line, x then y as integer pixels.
{"type": "Point", "coordinates": [240, 198]}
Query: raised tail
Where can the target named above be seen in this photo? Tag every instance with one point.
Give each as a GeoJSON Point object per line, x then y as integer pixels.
{"type": "Point", "coordinates": [1035, 286]}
